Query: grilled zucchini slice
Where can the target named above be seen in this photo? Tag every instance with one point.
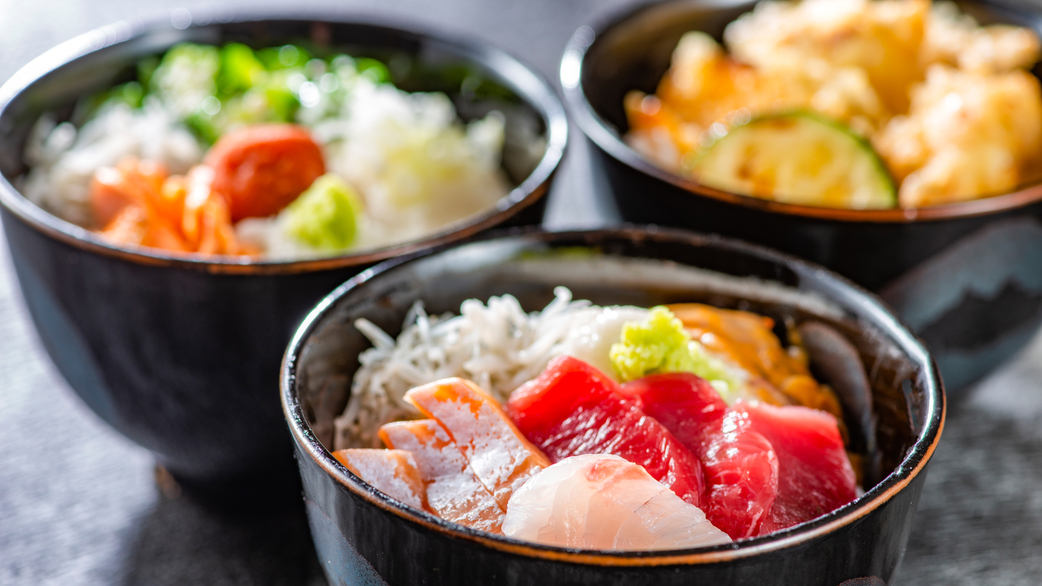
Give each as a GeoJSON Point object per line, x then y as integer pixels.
{"type": "Point", "coordinates": [798, 158]}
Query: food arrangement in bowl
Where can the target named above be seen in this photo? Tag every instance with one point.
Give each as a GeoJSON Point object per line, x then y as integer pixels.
{"type": "Point", "coordinates": [853, 104]}
{"type": "Point", "coordinates": [607, 405]}
{"type": "Point", "coordinates": [617, 398]}
{"type": "Point", "coordinates": [274, 153]}
{"type": "Point", "coordinates": [893, 141]}
{"type": "Point", "coordinates": [175, 200]}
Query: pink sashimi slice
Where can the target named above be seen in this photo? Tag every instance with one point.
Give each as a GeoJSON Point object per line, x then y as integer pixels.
{"type": "Point", "coordinates": [500, 456]}
{"type": "Point", "coordinates": [814, 473]}
{"type": "Point", "coordinates": [601, 501]}
{"type": "Point", "coordinates": [454, 492]}
{"type": "Point", "coordinates": [392, 472]}
{"type": "Point", "coordinates": [741, 467]}
{"type": "Point", "coordinates": [573, 409]}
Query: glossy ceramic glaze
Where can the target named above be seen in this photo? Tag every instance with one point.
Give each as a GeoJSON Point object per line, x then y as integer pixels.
{"type": "Point", "coordinates": [364, 537]}
{"type": "Point", "coordinates": [182, 354]}
{"type": "Point", "coordinates": [967, 278]}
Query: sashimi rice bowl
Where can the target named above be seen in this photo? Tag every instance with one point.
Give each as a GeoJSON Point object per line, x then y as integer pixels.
{"type": "Point", "coordinates": [278, 153]}
{"type": "Point", "coordinates": [668, 428]}
{"type": "Point", "coordinates": [708, 412]}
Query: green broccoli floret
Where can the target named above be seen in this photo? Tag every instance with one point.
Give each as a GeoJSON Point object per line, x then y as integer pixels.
{"type": "Point", "coordinates": [661, 344]}
{"type": "Point", "coordinates": [240, 70]}
{"type": "Point", "coordinates": [186, 76]}
{"type": "Point", "coordinates": [376, 71]}
{"type": "Point", "coordinates": [326, 215]}
{"type": "Point", "coordinates": [216, 89]}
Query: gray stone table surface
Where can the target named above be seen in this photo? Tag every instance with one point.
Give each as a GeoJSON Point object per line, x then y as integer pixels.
{"type": "Point", "coordinates": [79, 503]}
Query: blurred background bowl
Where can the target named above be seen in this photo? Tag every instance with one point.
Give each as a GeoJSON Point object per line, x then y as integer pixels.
{"type": "Point", "coordinates": [966, 277]}
{"type": "Point", "coordinates": [181, 355]}
{"type": "Point", "coordinates": [363, 537]}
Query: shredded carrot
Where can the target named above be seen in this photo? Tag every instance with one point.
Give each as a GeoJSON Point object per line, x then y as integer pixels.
{"type": "Point", "coordinates": [138, 204]}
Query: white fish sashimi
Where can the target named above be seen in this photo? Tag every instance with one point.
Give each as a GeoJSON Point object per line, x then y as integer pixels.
{"type": "Point", "coordinates": [661, 524]}
{"type": "Point", "coordinates": [600, 501]}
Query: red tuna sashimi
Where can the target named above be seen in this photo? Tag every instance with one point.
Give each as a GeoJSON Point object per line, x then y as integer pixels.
{"type": "Point", "coordinates": [741, 467]}
{"type": "Point", "coordinates": [814, 473]}
{"type": "Point", "coordinates": [573, 409]}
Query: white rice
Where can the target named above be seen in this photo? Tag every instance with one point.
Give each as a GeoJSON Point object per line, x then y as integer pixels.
{"type": "Point", "coordinates": [63, 159]}
{"type": "Point", "coordinates": [498, 346]}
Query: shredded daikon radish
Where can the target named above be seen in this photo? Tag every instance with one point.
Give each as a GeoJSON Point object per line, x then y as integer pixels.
{"type": "Point", "coordinates": [499, 346]}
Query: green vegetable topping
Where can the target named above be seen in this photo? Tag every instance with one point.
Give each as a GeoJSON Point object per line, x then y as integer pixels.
{"type": "Point", "coordinates": [185, 76]}
{"type": "Point", "coordinates": [240, 69]}
{"type": "Point", "coordinates": [377, 72]}
{"type": "Point", "coordinates": [326, 215]}
{"type": "Point", "coordinates": [660, 344]}
{"type": "Point", "coordinates": [216, 89]}
{"type": "Point", "coordinates": [283, 57]}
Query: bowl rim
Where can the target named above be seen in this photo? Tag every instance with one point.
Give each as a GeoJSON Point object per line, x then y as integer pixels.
{"type": "Point", "coordinates": [602, 134]}
{"type": "Point", "coordinates": [531, 87]}
{"type": "Point", "coordinates": [839, 289]}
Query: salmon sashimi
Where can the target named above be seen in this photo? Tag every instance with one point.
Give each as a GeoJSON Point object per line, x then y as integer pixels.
{"type": "Point", "coordinates": [572, 409]}
{"type": "Point", "coordinates": [393, 472]}
{"type": "Point", "coordinates": [741, 467]}
{"type": "Point", "coordinates": [498, 453]}
{"type": "Point", "coordinates": [814, 473]}
{"type": "Point", "coordinates": [601, 501]}
{"type": "Point", "coordinates": [454, 493]}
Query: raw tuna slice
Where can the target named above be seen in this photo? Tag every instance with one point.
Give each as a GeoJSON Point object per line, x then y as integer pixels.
{"type": "Point", "coordinates": [599, 501]}
{"type": "Point", "coordinates": [499, 455]}
{"type": "Point", "coordinates": [686, 404]}
{"type": "Point", "coordinates": [572, 409]}
{"type": "Point", "coordinates": [741, 467]}
{"type": "Point", "coordinates": [454, 493]}
{"type": "Point", "coordinates": [814, 473]}
{"type": "Point", "coordinates": [392, 472]}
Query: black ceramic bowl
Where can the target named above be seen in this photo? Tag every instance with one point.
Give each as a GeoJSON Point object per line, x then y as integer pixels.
{"type": "Point", "coordinates": [179, 354]}
{"type": "Point", "coordinates": [364, 537]}
{"type": "Point", "coordinates": [967, 278]}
